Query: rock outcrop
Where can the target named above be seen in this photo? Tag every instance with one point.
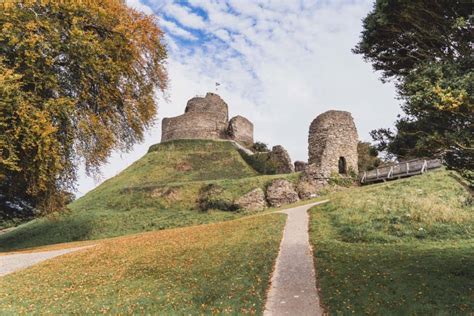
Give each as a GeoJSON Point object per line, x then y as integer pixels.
{"type": "Point", "coordinates": [252, 201]}
{"type": "Point", "coordinates": [241, 130]}
{"type": "Point", "coordinates": [281, 192]}
{"type": "Point", "coordinates": [307, 190]}
{"type": "Point", "coordinates": [311, 181]}
{"type": "Point", "coordinates": [207, 118]}
{"type": "Point", "coordinates": [281, 160]}
{"type": "Point", "coordinates": [333, 143]}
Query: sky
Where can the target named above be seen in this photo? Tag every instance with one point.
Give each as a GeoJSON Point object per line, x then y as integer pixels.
{"type": "Point", "coordinates": [280, 63]}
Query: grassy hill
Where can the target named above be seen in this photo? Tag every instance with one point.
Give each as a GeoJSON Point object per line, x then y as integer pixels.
{"type": "Point", "coordinates": [401, 248]}
{"type": "Point", "coordinates": [158, 191]}
{"type": "Point", "coordinates": [221, 268]}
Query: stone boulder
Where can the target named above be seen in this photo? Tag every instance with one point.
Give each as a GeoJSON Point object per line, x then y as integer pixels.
{"type": "Point", "coordinates": [311, 181]}
{"type": "Point", "coordinates": [312, 173]}
{"type": "Point", "coordinates": [281, 192]}
{"type": "Point", "coordinates": [300, 165]}
{"type": "Point", "coordinates": [280, 158]}
{"type": "Point", "coordinates": [252, 201]}
{"type": "Point", "coordinates": [307, 190]}
{"type": "Point", "coordinates": [241, 130]}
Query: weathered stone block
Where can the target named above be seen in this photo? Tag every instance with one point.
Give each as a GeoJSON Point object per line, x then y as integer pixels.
{"type": "Point", "coordinates": [241, 130]}
{"type": "Point", "coordinates": [281, 192]}
{"type": "Point", "coordinates": [307, 190]}
{"type": "Point", "coordinates": [280, 158]}
{"type": "Point", "coordinates": [252, 201]}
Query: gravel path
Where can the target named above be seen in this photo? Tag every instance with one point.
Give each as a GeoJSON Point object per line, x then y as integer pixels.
{"type": "Point", "coordinates": [15, 262]}
{"type": "Point", "coordinates": [293, 288]}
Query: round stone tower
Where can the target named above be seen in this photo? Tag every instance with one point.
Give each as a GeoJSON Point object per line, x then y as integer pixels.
{"type": "Point", "coordinates": [333, 143]}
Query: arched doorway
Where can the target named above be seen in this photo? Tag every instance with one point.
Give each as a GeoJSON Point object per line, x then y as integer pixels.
{"type": "Point", "coordinates": [342, 165]}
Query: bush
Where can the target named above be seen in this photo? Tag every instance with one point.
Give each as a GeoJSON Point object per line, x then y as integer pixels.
{"type": "Point", "coordinates": [343, 181]}
{"type": "Point", "coordinates": [260, 147]}
{"type": "Point", "coordinates": [261, 162]}
{"type": "Point", "coordinates": [213, 196]}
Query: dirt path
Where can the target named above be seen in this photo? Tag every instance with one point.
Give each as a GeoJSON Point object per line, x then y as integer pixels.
{"type": "Point", "coordinates": [15, 262]}
{"type": "Point", "coordinates": [293, 290]}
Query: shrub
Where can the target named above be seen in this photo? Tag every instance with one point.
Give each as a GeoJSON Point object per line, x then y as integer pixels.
{"type": "Point", "coordinates": [261, 162]}
{"type": "Point", "coordinates": [213, 196]}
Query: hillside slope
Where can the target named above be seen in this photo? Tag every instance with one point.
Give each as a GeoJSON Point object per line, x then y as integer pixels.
{"type": "Point", "coordinates": [401, 248]}
{"type": "Point", "coordinates": [158, 191]}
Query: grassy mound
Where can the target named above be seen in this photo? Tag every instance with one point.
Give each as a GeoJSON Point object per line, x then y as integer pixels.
{"type": "Point", "coordinates": [405, 247]}
{"type": "Point", "coordinates": [209, 269]}
{"type": "Point", "coordinates": [158, 191]}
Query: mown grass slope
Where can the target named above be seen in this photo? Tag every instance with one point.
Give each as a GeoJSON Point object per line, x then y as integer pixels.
{"type": "Point", "coordinates": [215, 268]}
{"type": "Point", "coordinates": [158, 191]}
{"type": "Point", "coordinates": [401, 248]}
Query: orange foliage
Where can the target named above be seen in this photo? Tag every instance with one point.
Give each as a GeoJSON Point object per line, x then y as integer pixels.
{"type": "Point", "coordinates": [78, 82]}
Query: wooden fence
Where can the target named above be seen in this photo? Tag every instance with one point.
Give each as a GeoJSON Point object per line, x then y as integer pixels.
{"type": "Point", "coordinates": [399, 170]}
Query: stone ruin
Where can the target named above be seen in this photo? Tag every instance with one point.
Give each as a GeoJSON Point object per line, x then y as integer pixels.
{"type": "Point", "coordinates": [300, 165]}
{"type": "Point", "coordinates": [332, 144]}
{"type": "Point", "coordinates": [281, 160]}
{"type": "Point", "coordinates": [207, 118]}
{"type": "Point", "coordinates": [332, 147]}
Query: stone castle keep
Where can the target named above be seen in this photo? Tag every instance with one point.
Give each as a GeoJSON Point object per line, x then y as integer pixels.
{"type": "Point", "coordinates": [332, 140]}
{"type": "Point", "coordinates": [207, 118]}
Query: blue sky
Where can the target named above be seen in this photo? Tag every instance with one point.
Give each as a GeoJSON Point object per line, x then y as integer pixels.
{"type": "Point", "coordinates": [280, 63]}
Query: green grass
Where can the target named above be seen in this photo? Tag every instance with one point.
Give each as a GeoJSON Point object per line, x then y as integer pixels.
{"type": "Point", "coordinates": [401, 248]}
{"type": "Point", "coordinates": [216, 268]}
{"type": "Point", "coordinates": [159, 191]}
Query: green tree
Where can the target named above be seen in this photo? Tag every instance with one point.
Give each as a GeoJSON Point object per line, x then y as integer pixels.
{"type": "Point", "coordinates": [367, 156]}
{"type": "Point", "coordinates": [426, 48]}
{"type": "Point", "coordinates": [77, 81]}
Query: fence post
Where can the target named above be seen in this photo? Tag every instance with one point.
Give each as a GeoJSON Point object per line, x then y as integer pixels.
{"type": "Point", "coordinates": [425, 165]}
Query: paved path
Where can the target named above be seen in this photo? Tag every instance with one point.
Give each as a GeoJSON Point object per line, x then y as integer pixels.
{"type": "Point", "coordinates": [15, 262]}
{"type": "Point", "coordinates": [293, 290]}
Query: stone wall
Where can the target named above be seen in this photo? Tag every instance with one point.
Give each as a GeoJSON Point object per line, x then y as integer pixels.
{"type": "Point", "coordinates": [207, 118]}
{"type": "Point", "coordinates": [241, 130]}
{"type": "Point", "coordinates": [332, 143]}
{"type": "Point", "coordinates": [193, 126]}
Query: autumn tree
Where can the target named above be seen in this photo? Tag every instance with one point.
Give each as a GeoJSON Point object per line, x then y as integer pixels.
{"type": "Point", "coordinates": [77, 81]}
{"type": "Point", "coordinates": [425, 47]}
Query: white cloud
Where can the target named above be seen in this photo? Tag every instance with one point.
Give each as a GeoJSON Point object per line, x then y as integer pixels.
{"type": "Point", "coordinates": [176, 30]}
{"type": "Point", "coordinates": [280, 63]}
{"type": "Point", "coordinates": [139, 6]}
{"type": "Point", "coordinates": [184, 16]}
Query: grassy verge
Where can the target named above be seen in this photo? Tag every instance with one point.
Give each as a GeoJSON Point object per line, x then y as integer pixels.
{"type": "Point", "coordinates": [216, 268]}
{"type": "Point", "coordinates": [401, 248]}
